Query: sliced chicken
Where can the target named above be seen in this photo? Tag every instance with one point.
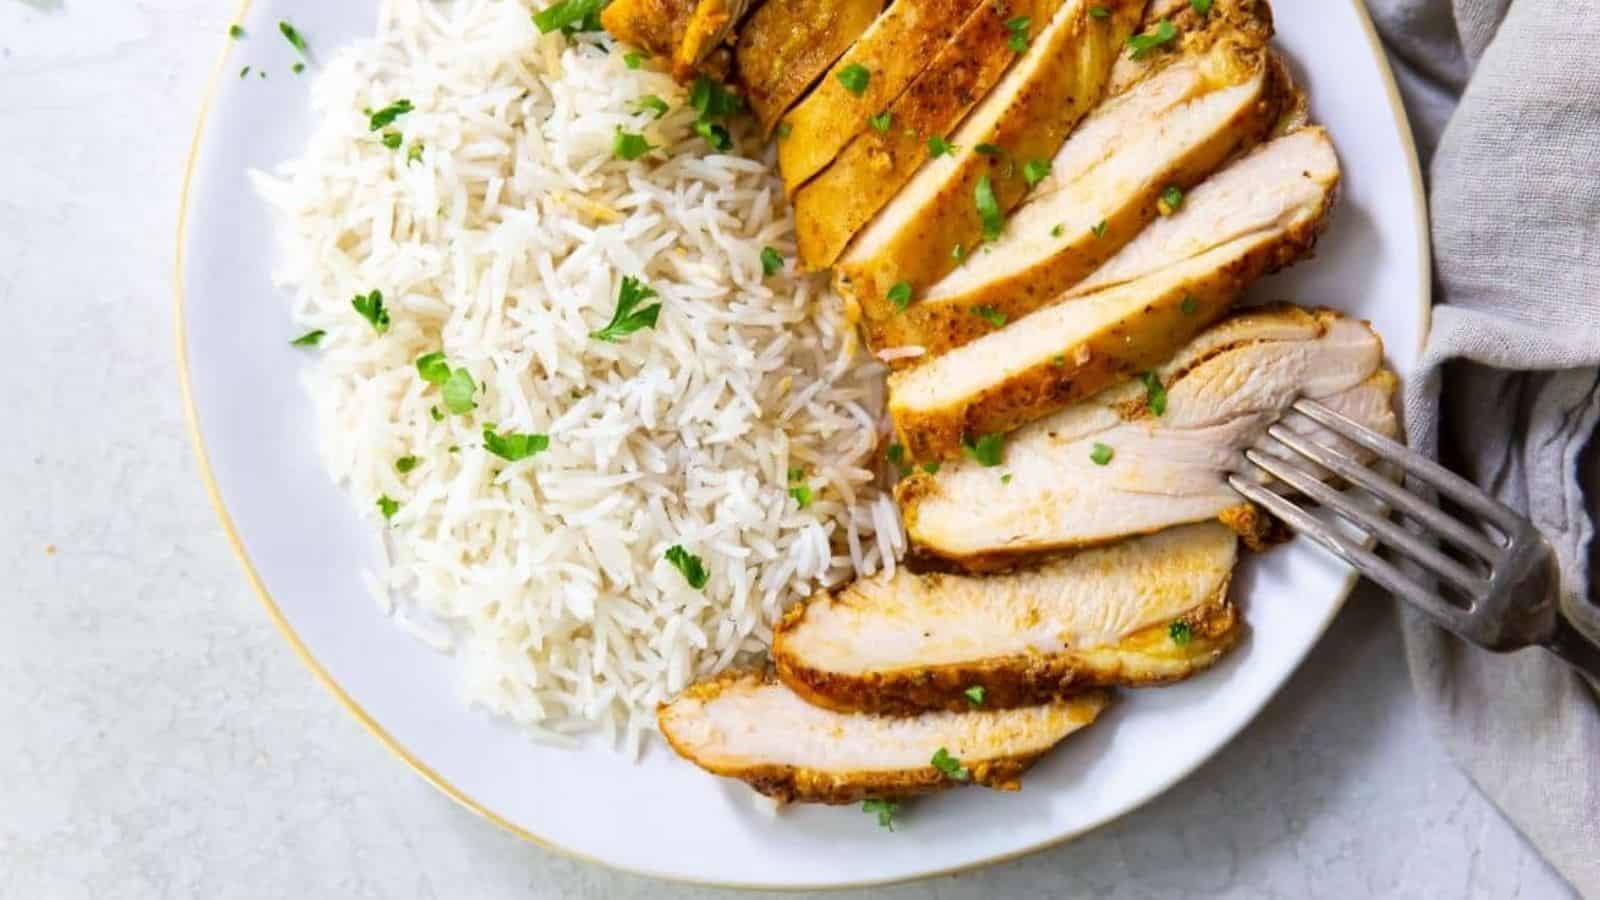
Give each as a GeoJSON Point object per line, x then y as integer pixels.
{"type": "Point", "coordinates": [752, 728]}
{"type": "Point", "coordinates": [685, 32]}
{"type": "Point", "coordinates": [784, 47]}
{"type": "Point", "coordinates": [1172, 129]}
{"type": "Point", "coordinates": [891, 54]}
{"type": "Point", "coordinates": [877, 163]}
{"type": "Point", "coordinates": [906, 643]}
{"type": "Point", "coordinates": [960, 197]}
{"type": "Point", "coordinates": [1177, 277]}
{"type": "Point", "coordinates": [1108, 468]}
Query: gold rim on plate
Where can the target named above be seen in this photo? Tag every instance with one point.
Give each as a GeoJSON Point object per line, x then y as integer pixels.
{"type": "Point", "coordinates": [208, 479]}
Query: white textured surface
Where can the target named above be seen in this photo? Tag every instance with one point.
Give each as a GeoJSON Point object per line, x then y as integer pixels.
{"type": "Point", "coordinates": [162, 741]}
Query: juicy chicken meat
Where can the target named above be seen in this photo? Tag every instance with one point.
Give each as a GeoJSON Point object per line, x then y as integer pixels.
{"type": "Point", "coordinates": [908, 642]}
{"type": "Point", "coordinates": [750, 727]}
{"type": "Point", "coordinates": [1223, 391]}
{"type": "Point", "coordinates": [893, 51]}
{"type": "Point", "coordinates": [997, 152]}
{"type": "Point", "coordinates": [783, 48]}
{"type": "Point", "coordinates": [685, 32]}
{"type": "Point", "coordinates": [1177, 277]}
{"type": "Point", "coordinates": [873, 168]}
{"type": "Point", "coordinates": [1173, 129]}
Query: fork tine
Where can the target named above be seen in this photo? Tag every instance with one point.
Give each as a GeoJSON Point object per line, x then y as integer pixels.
{"type": "Point", "coordinates": [1392, 493]}
{"type": "Point", "coordinates": [1367, 562]}
{"type": "Point", "coordinates": [1445, 481]}
{"type": "Point", "coordinates": [1312, 486]}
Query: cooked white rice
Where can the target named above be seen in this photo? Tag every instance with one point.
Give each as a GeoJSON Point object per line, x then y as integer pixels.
{"type": "Point", "coordinates": [504, 245]}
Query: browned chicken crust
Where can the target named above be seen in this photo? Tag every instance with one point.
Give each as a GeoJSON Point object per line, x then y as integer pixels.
{"type": "Point", "coordinates": [784, 47]}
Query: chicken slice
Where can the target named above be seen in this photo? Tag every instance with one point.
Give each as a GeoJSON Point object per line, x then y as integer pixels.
{"type": "Point", "coordinates": [893, 52]}
{"type": "Point", "coordinates": [750, 727]}
{"type": "Point", "coordinates": [784, 47]}
{"type": "Point", "coordinates": [873, 168]}
{"type": "Point", "coordinates": [1105, 186]}
{"type": "Point", "coordinates": [685, 32]}
{"type": "Point", "coordinates": [1177, 277]}
{"type": "Point", "coordinates": [908, 642]}
{"type": "Point", "coordinates": [1222, 393]}
{"type": "Point", "coordinates": [1016, 129]}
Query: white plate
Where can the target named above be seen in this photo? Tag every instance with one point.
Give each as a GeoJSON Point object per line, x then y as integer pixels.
{"type": "Point", "coordinates": [304, 547]}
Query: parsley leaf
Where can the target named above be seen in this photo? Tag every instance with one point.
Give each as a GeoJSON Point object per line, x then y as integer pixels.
{"type": "Point", "coordinates": [433, 368]}
{"type": "Point", "coordinates": [244, 72]}
{"type": "Point", "coordinates": [986, 450]}
{"type": "Point", "coordinates": [771, 262]}
{"type": "Point", "coordinates": [629, 318]}
{"type": "Point", "coordinates": [991, 315]}
{"type": "Point", "coordinates": [931, 468]}
{"type": "Point", "coordinates": [1181, 632]}
{"type": "Point", "coordinates": [938, 146]}
{"type": "Point", "coordinates": [1171, 200]}
{"type": "Point", "coordinates": [405, 464]}
{"type": "Point", "coordinates": [900, 295]}
{"type": "Point", "coordinates": [1057, 231]}
{"type": "Point", "coordinates": [565, 14]}
{"type": "Point", "coordinates": [1101, 454]}
{"type": "Point", "coordinates": [884, 809]}
{"type": "Point", "coordinates": [881, 121]}
{"type": "Point", "coordinates": [1019, 33]}
{"type": "Point", "coordinates": [458, 391]}
{"type": "Point", "coordinates": [297, 68]}
{"type": "Point", "coordinates": [714, 134]}
{"type": "Point", "coordinates": [371, 308]}
{"type": "Point", "coordinates": [1200, 6]}
{"type": "Point", "coordinates": [514, 447]}
{"type": "Point", "coordinates": [1155, 393]}
{"type": "Point", "coordinates": [712, 100]}
{"type": "Point", "coordinates": [694, 571]}
{"type": "Point", "coordinates": [388, 506]}
{"type": "Point", "coordinates": [994, 221]}
{"type": "Point", "coordinates": [629, 146]}
{"type": "Point", "coordinates": [801, 494]}
{"type": "Point", "coordinates": [309, 339]}
{"type": "Point", "coordinates": [1188, 306]}
{"type": "Point", "coordinates": [293, 37]}
{"type": "Point", "coordinates": [897, 458]}
{"type": "Point", "coordinates": [385, 117]}
{"type": "Point", "coordinates": [392, 139]}
{"type": "Point", "coordinates": [632, 59]}
{"type": "Point", "coordinates": [653, 103]}
{"type": "Point", "coordinates": [975, 694]}
{"type": "Point", "coordinates": [1035, 170]}
{"type": "Point", "coordinates": [1100, 12]}
{"type": "Point", "coordinates": [235, 32]}
{"type": "Point", "coordinates": [783, 130]}
{"type": "Point", "coordinates": [950, 766]}
{"type": "Point", "coordinates": [958, 253]}
{"type": "Point", "coordinates": [414, 153]}
{"type": "Point", "coordinates": [1164, 33]}
{"type": "Point", "coordinates": [1099, 230]}
{"type": "Point", "coordinates": [855, 78]}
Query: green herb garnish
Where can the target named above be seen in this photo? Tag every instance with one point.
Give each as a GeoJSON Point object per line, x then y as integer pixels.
{"type": "Point", "coordinates": [991, 315]}
{"type": "Point", "coordinates": [771, 262]}
{"type": "Point", "coordinates": [297, 68]}
{"type": "Point", "coordinates": [385, 117]}
{"type": "Point", "coordinates": [855, 78]}
{"type": "Point", "coordinates": [712, 100]}
{"type": "Point", "coordinates": [433, 367]}
{"type": "Point", "coordinates": [632, 59]}
{"type": "Point", "coordinates": [1035, 170]}
{"type": "Point", "coordinates": [566, 14]}
{"type": "Point", "coordinates": [1100, 12]}
{"type": "Point", "coordinates": [244, 72]}
{"type": "Point", "coordinates": [309, 339]}
{"type": "Point", "coordinates": [405, 464]}
{"type": "Point", "coordinates": [784, 129]}
{"type": "Point", "coordinates": [801, 494]}
{"type": "Point", "coordinates": [370, 306]}
{"type": "Point", "coordinates": [714, 134]}
{"type": "Point", "coordinates": [1099, 230]}
{"type": "Point", "coordinates": [293, 37]}
{"type": "Point", "coordinates": [1100, 454]}
{"type": "Point", "coordinates": [975, 694]}
{"type": "Point", "coordinates": [1155, 393]}
{"type": "Point", "coordinates": [1188, 306]}
{"type": "Point", "coordinates": [897, 458]}
{"type": "Point", "coordinates": [629, 317]}
{"type": "Point", "coordinates": [938, 146]}
{"type": "Point", "coordinates": [958, 253]}
{"type": "Point", "coordinates": [1164, 33]}
{"type": "Point", "coordinates": [994, 221]}
{"type": "Point", "coordinates": [627, 145]}
{"type": "Point", "coordinates": [393, 139]}
{"type": "Point", "coordinates": [514, 447]}
{"type": "Point", "coordinates": [458, 391]}
{"type": "Point", "coordinates": [932, 468]}
{"type": "Point", "coordinates": [414, 153]}
{"type": "Point", "coordinates": [1200, 6]}
{"type": "Point", "coordinates": [881, 121]}
{"type": "Point", "coordinates": [1171, 200]}
{"type": "Point", "coordinates": [694, 571]}
{"type": "Point", "coordinates": [235, 32]}
{"type": "Point", "coordinates": [654, 104]}
{"type": "Point", "coordinates": [950, 766]}
{"type": "Point", "coordinates": [986, 450]}
{"type": "Point", "coordinates": [388, 506]}
{"type": "Point", "coordinates": [900, 295]}
{"type": "Point", "coordinates": [884, 809]}
{"type": "Point", "coordinates": [1058, 231]}
{"type": "Point", "coordinates": [1019, 33]}
{"type": "Point", "coordinates": [1181, 632]}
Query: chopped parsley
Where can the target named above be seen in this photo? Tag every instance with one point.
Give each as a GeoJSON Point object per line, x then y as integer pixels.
{"type": "Point", "coordinates": [994, 221]}
{"type": "Point", "coordinates": [897, 458]}
{"type": "Point", "coordinates": [1057, 231]}
{"type": "Point", "coordinates": [235, 32]}
{"type": "Point", "coordinates": [1200, 6]}
{"type": "Point", "coordinates": [385, 117]}
{"type": "Point", "coordinates": [653, 103]}
{"type": "Point", "coordinates": [632, 59]}
{"type": "Point", "coordinates": [1019, 33]}
{"type": "Point", "coordinates": [1164, 33]}
{"type": "Point", "coordinates": [881, 121]}
{"type": "Point", "coordinates": [938, 146]}
{"type": "Point", "coordinates": [986, 450]}
{"type": "Point", "coordinates": [716, 135]}
{"type": "Point", "coordinates": [784, 130]}
{"type": "Point", "coordinates": [1100, 12]}
{"type": "Point", "coordinates": [568, 14]}
{"type": "Point", "coordinates": [1099, 230]}
{"type": "Point", "coordinates": [438, 416]}
{"type": "Point", "coordinates": [958, 253]}
{"type": "Point", "coordinates": [1059, 360]}
{"type": "Point", "coordinates": [244, 72]}
{"type": "Point", "coordinates": [854, 77]}
{"type": "Point", "coordinates": [514, 447]}
{"type": "Point", "coordinates": [884, 809]}
{"type": "Point", "coordinates": [433, 367]}
{"type": "Point", "coordinates": [950, 766]}
{"type": "Point", "coordinates": [694, 571]}
{"type": "Point", "coordinates": [1188, 306]}
{"type": "Point", "coordinates": [771, 262]}
{"type": "Point", "coordinates": [629, 317]}
{"type": "Point", "coordinates": [1101, 454]}
{"type": "Point", "coordinates": [975, 694]}
{"type": "Point", "coordinates": [628, 145]}
{"type": "Point", "coordinates": [931, 468]}
{"type": "Point", "coordinates": [393, 139]}
{"type": "Point", "coordinates": [1034, 171]}
{"type": "Point", "coordinates": [991, 315]}
{"type": "Point", "coordinates": [370, 306]}
{"type": "Point", "coordinates": [293, 37]}
{"type": "Point", "coordinates": [388, 506]}
{"type": "Point", "coordinates": [414, 153]}
{"type": "Point", "coordinates": [798, 489]}
{"type": "Point", "coordinates": [1155, 393]}
{"type": "Point", "coordinates": [900, 295]}
{"type": "Point", "coordinates": [309, 339]}
{"type": "Point", "coordinates": [1006, 478]}
{"type": "Point", "coordinates": [712, 100]}
{"type": "Point", "coordinates": [297, 68]}
{"type": "Point", "coordinates": [458, 390]}
{"type": "Point", "coordinates": [405, 464]}
{"type": "Point", "coordinates": [1181, 632]}
{"type": "Point", "coordinates": [1171, 200]}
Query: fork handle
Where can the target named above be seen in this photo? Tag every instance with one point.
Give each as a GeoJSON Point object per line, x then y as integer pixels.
{"type": "Point", "coordinates": [1575, 649]}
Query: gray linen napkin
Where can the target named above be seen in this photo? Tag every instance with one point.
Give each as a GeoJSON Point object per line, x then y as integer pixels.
{"type": "Point", "coordinates": [1505, 97]}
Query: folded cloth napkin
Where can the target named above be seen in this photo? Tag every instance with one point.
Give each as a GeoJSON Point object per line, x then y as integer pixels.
{"type": "Point", "coordinates": [1505, 97]}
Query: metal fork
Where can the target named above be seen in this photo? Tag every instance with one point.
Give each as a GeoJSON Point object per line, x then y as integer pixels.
{"type": "Point", "coordinates": [1501, 590]}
